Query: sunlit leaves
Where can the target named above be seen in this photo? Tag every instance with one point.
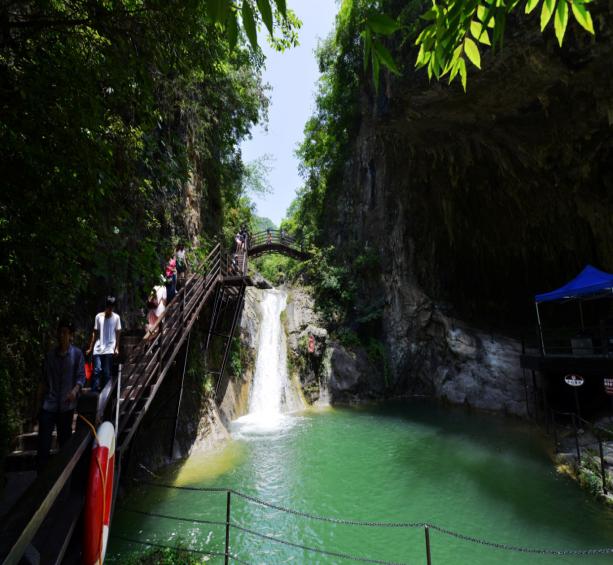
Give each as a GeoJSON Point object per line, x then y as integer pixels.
{"type": "Point", "coordinates": [583, 17]}
{"type": "Point", "coordinates": [547, 11]}
{"type": "Point", "coordinates": [561, 20]}
{"type": "Point", "coordinates": [453, 24]}
{"type": "Point", "coordinates": [472, 52]}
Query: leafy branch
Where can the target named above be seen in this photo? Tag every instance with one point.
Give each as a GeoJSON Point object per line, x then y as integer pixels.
{"type": "Point", "coordinates": [457, 28]}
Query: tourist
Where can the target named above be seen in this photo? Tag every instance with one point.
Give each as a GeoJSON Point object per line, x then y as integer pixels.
{"type": "Point", "coordinates": [104, 343]}
{"type": "Point", "coordinates": [239, 242]}
{"type": "Point", "coordinates": [63, 379]}
{"type": "Point", "coordinates": [181, 263]}
{"type": "Point", "coordinates": [235, 263]}
{"type": "Point", "coordinates": [171, 279]}
{"type": "Point", "coordinates": [268, 236]}
{"type": "Point", "coordinates": [156, 304]}
{"type": "Point", "coordinates": [244, 236]}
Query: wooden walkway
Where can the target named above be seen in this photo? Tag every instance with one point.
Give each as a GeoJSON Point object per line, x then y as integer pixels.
{"type": "Point", "coordinates": [45, 517]}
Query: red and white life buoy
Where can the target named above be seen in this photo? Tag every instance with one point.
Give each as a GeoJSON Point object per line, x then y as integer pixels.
{"type": "Point", "coordinates": [99, 495]}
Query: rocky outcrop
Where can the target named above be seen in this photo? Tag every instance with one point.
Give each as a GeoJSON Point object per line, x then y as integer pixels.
{"type": "Point", "coordinates": [473, 202]}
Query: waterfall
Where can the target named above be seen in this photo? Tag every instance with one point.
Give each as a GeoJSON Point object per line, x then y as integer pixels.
{"type": "Point", "coordinates": [271, 393]}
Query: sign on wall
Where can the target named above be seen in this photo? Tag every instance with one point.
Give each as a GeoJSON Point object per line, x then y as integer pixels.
{"type": "Point", "coordinates": [573, 380]}
{"type": "Point", "coordinates": [608, 385]}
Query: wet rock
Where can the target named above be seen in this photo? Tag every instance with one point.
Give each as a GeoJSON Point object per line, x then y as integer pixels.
{"type": "Point", "coordinates": [351, 375]}
{"type": "Point", "coordinates": [260, 282]}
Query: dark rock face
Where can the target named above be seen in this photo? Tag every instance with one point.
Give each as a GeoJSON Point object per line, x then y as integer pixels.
{"type": "Point", "coordinates": [474, 202]}
{"type": "Point", "coordinates": [352, 375]}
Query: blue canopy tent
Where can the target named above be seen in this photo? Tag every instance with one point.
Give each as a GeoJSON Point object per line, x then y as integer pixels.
{"type": "Point", "coordinates": [589, 283]}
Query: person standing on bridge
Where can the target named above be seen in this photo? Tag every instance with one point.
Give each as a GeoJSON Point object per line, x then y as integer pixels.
{"type": "Point", "coordinates": [63, 379]}
{"type": "Point", "coordinates": [104, 343]}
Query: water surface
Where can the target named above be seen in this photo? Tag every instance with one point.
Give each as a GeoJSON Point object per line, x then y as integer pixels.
{"type": "Point", "coordinates": [484, 476]}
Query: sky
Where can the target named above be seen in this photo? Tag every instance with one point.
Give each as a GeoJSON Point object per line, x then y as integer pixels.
{"type": "Point", "coordinates": [292, 76]}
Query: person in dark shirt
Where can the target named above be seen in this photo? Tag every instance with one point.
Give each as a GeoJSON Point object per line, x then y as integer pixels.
{"type": "Point", "coordinates": [63, 379]}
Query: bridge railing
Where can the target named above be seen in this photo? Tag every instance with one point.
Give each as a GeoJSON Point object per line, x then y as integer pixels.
{"type": "Point", "coordinates": [274, 237]}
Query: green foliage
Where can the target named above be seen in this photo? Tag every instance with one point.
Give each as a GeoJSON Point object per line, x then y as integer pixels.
{"type": "Point", "coordinates": [455, 27]}
{"type": "Point", "coordinates": [165, 556]}
{"type": "Point", "coordinates": [276, 268]}
{"type": "Point", "coordinates": [255, 175]}
{"type": "Point", "coordinates": [236, 364]}
{"type": "Point", "coordinates": [333, 285]}
{"type": "Point", "coordinates": [112, 111]}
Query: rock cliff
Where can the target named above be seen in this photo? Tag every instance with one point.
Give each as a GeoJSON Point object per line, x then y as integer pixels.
{"type": "Point", "coordinates": [473, 202]}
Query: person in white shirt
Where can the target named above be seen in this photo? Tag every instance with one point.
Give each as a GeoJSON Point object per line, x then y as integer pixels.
{"type": "Point", "coordinates": [104, 343]}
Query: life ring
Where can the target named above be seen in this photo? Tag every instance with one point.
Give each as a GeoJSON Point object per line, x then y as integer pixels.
{"type": "Point", "coordinates": [99, 496]}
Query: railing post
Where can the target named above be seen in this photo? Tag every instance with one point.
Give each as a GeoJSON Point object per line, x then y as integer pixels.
{"type": "Point", "coordinates": [602, 470]}
{"type": "Point", "coordinates": [428, 556]}
{"type": "Point", "coordinates": [227, 552]}
{"type": "Point", "coordinates": [576, 438]}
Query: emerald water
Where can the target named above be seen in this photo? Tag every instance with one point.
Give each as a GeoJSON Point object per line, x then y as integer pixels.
{"type": "Point", "coordinates": [483, 476]}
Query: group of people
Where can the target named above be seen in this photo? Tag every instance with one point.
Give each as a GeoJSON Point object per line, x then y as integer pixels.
{"type": "Point", "coordinates": [240, 239]}
{"type": "Point", "coordinates": [64, 376]}
{"type": "Point", "coordinates": [164, 292]}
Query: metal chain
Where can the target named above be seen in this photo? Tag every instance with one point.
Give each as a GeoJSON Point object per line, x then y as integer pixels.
{"type": "Point", "coordinates": [445, 531]}
{"type": "Point", "coordinates": [166, 516]}
{"type": "Point", "coordinates": [196, 551]}
{"type": "Point", "coordinates": [326, 518]}
{"type": "Point", "coordinates": [314, 549]}
{"type": "Point", "coordinates": [507, 547]}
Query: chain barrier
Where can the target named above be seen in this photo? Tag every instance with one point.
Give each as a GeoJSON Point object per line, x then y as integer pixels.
{"type": "Point", "coordinates": [519, 549]}
{"type": "Point", "coordinates": [405, 525]}
{"type": "Point", "coordinates": [314, 549]}
{"type": "Point", "coordinates": [167, 517]}
{"type": "Point", "coordinates": [188, 550]}
{"type": "Point", "coordinates": [327, 518]}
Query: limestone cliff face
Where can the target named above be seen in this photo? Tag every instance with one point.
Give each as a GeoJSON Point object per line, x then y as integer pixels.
{"type": "Point", "coordinates": [474, 202]}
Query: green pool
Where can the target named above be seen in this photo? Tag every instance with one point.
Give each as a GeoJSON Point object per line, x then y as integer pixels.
{"type": "Point", "coordinates": [484, 476]}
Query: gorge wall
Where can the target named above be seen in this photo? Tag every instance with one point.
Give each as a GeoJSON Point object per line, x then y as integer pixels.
{"type": "Point", "coordinates": [471, 203]}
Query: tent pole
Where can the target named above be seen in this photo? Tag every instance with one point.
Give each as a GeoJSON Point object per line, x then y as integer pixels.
{"type": "Point", "coordinates": [538, 319]}
{"type": "Point", "coordinates": [581, 314]}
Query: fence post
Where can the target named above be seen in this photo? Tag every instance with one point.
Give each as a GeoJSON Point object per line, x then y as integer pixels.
{"type": "Point", "coordinates": [227, 552]}
{"type": "Point", "coordinates": [576, 439]}
{"type": "Point", "coordinates": [602, 471]}
{"type": "Point", "coordinates": [427, 532]}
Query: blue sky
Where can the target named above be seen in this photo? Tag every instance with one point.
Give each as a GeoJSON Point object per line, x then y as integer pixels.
{"type": "Point", "coordinates": [292, 76]}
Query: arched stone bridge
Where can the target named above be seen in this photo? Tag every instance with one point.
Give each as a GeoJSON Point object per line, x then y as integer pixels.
{"type": "Point", "coordinates": [276, 241]}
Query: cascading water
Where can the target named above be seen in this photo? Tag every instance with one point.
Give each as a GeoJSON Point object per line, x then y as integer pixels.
{"type": "Point", "coordinates": [271, 394]}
